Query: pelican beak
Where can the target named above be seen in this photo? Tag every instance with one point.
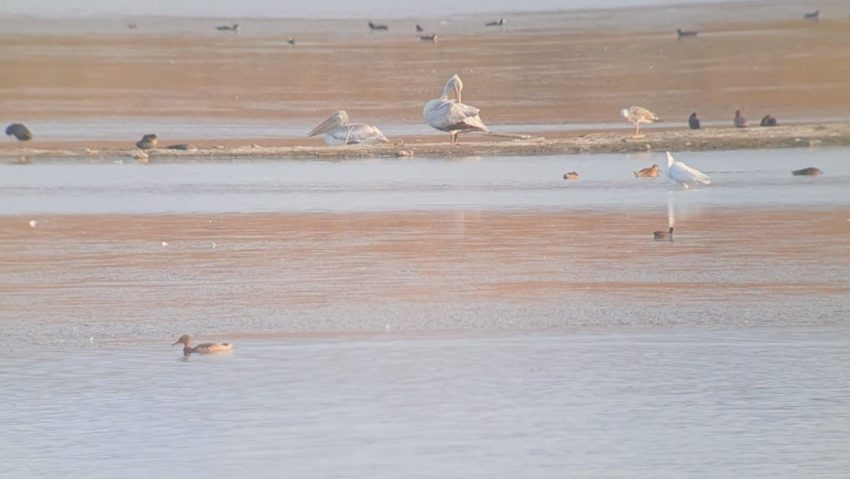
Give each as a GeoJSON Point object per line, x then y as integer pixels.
{"type": "Point", "coordinates": [325, 126]}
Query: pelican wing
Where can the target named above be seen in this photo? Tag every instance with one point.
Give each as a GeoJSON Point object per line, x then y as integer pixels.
{"type": "Point", "coordinates": [685, 174]}
{"type": "Point", "coordinates": [449, 115]}
{"type": "Point", "coordinates": [355, 134]}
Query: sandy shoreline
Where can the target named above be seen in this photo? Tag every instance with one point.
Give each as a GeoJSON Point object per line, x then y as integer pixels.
{"type": "Point", "coordinates": [787, 136]}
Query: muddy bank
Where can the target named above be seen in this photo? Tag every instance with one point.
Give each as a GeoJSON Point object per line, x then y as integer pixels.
{"type": "Point", "coordinates": [790, 136]}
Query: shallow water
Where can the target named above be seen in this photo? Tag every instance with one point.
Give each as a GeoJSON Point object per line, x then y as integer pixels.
{"type": "Point", "coordinates": [430, 317]}
{"type": "Point", "coordinates": [753, 178]}
{"type": "Point", "coordinates": [698, 403]}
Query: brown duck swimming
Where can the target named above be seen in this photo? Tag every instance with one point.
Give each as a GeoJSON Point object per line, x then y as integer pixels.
{"type": "Point", "coordinates": [206, 348]}
{"type": "Point", "coordinates": [650, 172]}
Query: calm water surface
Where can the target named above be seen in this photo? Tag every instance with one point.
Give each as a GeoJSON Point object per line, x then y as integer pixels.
{"type": "Point", "coordinates": [740, 369]}
{"type": "Point", "coordinates": [695, 403]}
{"type": "Point", "coordinates": [753, 178]}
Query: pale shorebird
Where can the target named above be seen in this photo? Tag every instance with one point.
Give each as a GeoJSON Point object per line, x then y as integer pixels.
{"type": "Point", "coordinates": [19, 131]}
{"type": "Point", "coordinates": [339, 131]}
{"type": "Point", "coordinates": [684, 174]}
{"type": "Point", "coordinates": [206, 348]}
{"type": "Point", "coordinates": [447, 113]}
{"type": "Point", "coordinates": [649, 172]}
{"type": "Point", "coordinates": [693, 121]}
{"type": "Point", "coordinates": [638, 115]}
{"type": "Point", "coordinates": [739, 121]}
{"type": "Point", "coordinates": [373, 26]}
{"type": "Point", "coordinates": [810, 171]}
{"type": "Point", "coordinates": [147, 142]}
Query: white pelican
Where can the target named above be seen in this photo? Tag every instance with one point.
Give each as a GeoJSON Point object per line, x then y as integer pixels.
{"type": "Point", "coordinates": [638, 115]}
{"type": "Point", "coordinates": [447, 113]}
{"type": "Point", "coordinates": [684, 174]}
{"type": "Point", "coordinates": [338, 131]}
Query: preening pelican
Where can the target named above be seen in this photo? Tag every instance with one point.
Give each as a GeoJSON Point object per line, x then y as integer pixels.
{"type": "Point", "coordinates": [447, 113]}
{"type": "Point", "coordinates": [338, 131]}
{"type": "Point", "coordinates": [684, 174]}
{"type": "Point", "coordinates": [638, 115]}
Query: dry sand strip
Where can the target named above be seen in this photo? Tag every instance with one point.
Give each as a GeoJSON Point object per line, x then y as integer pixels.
{"type": "Point", "coordinates": [788, 136]}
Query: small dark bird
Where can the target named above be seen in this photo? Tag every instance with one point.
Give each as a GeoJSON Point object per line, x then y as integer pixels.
{"type": "Point", "coordinates": [419, 28]}
{"type": "Point", "coordinates": [19, 131]}
{"type": "Point", "coordinates": [693, 121]}
{"type": "Point", "coordinates": [429, 38]}
{"type": "Point", "coordinates": [768, 121]}
{"type": "Point", "coordinates": [132, 26]}
{"type": "Point", "coordinates": [374, 27]}
{"type": "Point", "coordinates": [810, 171]}
{"type": "Point", "coordinates": [663, 235]}
{"type": "Point", "coordinates": [228, 28]}
{"type": "Point", "coordinates": [571, 175]}
{"type": "Point", "coordinates": [147, 142]}
{"type": "Point", "coordinates": [739, 121]}
{"type": "Point", "coordinates": [686, 33]}
{"type": "Point", "coordinates": [812, 15]}
{"type": "Point", "coordinates": [291, 41]}
{"type": "Point", "coordinates": [500, 23]}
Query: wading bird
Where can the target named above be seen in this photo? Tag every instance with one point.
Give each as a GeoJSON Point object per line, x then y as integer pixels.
{"type": "Point", "coordinates": [650, 172]}
{"type": "Point", "coordinates": [739, 121]}
{"type": "Point", "coordinates": [447, 113]}
{"type": "Point", "coordinates": [684, 174]}
{"type": "Point", "coordinates": [638, 115]}
{"type": "Point", "coordinates": [373, 26]}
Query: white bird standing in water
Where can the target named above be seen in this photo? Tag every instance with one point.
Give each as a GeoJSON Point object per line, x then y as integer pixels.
{"type": "Point", "coordinates": [447, 113]}
{"type": "Point", "coordinates": [638, 115]}
{"type": "Point", "coordinates": [684, 174]}
{"type": "Point", "coordinates": [338, 131]}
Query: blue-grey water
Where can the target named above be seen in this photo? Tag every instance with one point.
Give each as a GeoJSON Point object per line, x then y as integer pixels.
{"type": "Point", "coordinates": [430, 346]}
{"type": "Point", "coordinates": [748, 178]}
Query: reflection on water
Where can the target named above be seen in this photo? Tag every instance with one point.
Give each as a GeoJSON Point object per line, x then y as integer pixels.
{"type": "Point", "coordinates": [698, 404]}
{"type": "Point", "coordinates": [739, 179]}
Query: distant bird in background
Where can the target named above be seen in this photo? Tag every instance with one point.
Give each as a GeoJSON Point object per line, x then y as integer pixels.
{"type": "Point", "coordinates": [768, 121]}
{"type": "Point", "coordinates": [19, 131]}
{"type": "Point", "coordinates": [419, 28]}
{"type": "Point", "coordinates": [810, 171]}
{"type": "Point", "coordinates": [815, 16]}
{"type": "Point", "coordinates": [693, 121]}
{"type": "Point", "coordinates": [500, 23]}
{"type": "Point", "coordinates": [132, 26]}
{"type": "Point", "coordinates": [429, 38]}
{"type": "Point", "coordinates": [147, 142]}
{"type": "Point", "coordinates": [686, 33]}
{"type": "Point", "coordinates": [228, 28]}
{"type": "Point", "coordinates": [571, 175]}
{"type": "Point", "coordinates": [663, 235]}
{"type": "Point", "coordinates": [638, 115]}
{"type": "Point", "coordinates": [739, 121]}
{"type": "Point", "coordinates": [373, 26]}
{"type": "Point", "coordinates": [291, 41]}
